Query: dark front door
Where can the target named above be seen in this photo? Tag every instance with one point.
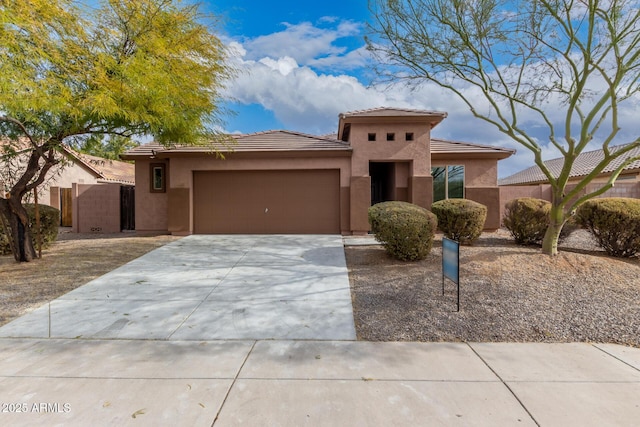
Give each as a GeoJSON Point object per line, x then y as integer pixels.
{"type": "Point", "coordinates": [382, 181]}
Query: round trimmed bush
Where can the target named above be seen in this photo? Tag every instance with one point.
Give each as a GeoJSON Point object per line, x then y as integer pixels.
{"type": "Point", "coordinates": [405, 230]}
{"type": "Point", "coordinates": [527, 219]}
{"type": "Point", "coordinates": [461, 220]}
{"type": "Point", "coordinates": [614, 222]}
{"type": "Point", "coordinates": [49, 221]}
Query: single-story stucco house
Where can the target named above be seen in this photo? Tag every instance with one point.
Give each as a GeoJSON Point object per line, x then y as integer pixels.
{"type": "Point", "coordinates": [289, 182]}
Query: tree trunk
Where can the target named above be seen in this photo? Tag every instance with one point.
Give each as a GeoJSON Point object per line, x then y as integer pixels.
{"type": "Point", "coordinates": [15, 216]}
{"type": "Point", "coordinates": [552, 236]}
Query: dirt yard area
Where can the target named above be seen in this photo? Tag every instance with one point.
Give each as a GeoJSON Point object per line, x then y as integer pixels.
{"type": "Point", "coordinates": [73, 260]}
{"type": "Point", "coordinates": [508, 293]}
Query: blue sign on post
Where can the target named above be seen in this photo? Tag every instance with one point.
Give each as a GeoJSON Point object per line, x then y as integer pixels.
{"type": "Point", "coordinates": [451, 263]}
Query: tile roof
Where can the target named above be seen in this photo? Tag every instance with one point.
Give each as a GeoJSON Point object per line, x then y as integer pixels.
{"type": "Point", "coordinates": [582, 166]}
{"type": "Point", "coordinates": [109, 170]}
{"type": "Point", "coordinates": [294, 141]}
{"type": "Point", "coordinates": [104, 169]}
{"type": "Point", "coordinates": [392, 112]}
{"type": "Point", "coordinates": [273, 140]}
{"type": "Point", "coordinates": [443, 147]}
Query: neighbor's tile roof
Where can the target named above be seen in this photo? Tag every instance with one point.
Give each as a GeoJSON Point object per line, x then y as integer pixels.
{"type": "Point", "coordinates": [109, 170]}
{"type": "Point", "coordinates": [443, 147]}
{"type": "Point", "coordinates": [274, 140]}
{"type": "Point", "coordinates": [104, 169]}
{"type": "Point", "coordinates": [582, 166]}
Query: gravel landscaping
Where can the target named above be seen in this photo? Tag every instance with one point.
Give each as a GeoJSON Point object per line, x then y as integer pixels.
{"type": "Point", "coordinates": [508, 293]}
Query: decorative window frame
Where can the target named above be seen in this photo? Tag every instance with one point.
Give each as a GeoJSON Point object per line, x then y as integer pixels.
{"type": "Point", "coordinates": [158, 178]}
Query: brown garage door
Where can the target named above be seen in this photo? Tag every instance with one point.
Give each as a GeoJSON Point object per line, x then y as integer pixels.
{"type": "Point", "coordinates": [254, 202]}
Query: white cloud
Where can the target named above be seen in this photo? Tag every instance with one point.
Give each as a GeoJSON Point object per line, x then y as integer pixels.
{"type": "Point", "coordinates": [304, 42]}
{"type": "Point", "coordinates": [349, 61]}
{"type": "Point", "coordinates": [299, 97]}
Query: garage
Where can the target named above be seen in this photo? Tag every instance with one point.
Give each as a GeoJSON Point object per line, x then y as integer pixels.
{"type": "Point", "coordinates": [267, 202]}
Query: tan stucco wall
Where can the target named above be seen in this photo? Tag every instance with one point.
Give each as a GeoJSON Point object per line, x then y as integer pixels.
{"type": "Point", "coordinates": [360, 201]}
{"type": "Point", "coordinates": [151, 208]}
{"type": "Point", "coordinates": [416, 152]}
{"type": "Point", "coordinates": [490, 197]}
{"type": "Point", "coordinates": [63, 177]}
{"type": "Point", "coordinates": [96, 208]}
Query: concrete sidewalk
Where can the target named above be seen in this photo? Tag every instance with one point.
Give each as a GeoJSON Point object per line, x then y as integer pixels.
{"type": "Point", "coordinates": [316, 383]}
{"type": "Point", "coordinates": [258, 331]}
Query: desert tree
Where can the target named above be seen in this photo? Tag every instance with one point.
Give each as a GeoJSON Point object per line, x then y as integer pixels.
{"type": "Point", "coordinates": [72, 70]}
{"type": "Point", "coordinates": [106, 146]}
{"type": "Point", "coordinates": [565, 66]}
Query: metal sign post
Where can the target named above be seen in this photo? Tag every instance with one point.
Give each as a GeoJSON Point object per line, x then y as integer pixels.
{"type": "Point", "coordinates": [451, 263]}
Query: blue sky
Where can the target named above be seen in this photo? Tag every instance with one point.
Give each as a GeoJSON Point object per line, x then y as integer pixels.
{"type": "Point", "coordinates": [302, 63]}
{"type": "Point", "coordinates": [318, 36]}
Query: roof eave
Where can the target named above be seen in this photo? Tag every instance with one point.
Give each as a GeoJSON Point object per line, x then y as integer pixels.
{"type": "Point", "coordinates": [471, 155]}
{"type": "Point", "coordinates": [345, 152]}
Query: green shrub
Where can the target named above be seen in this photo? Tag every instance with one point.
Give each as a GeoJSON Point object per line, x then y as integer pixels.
{"type": "Point", "coordinates": [527, 219]}
{"type": "Point", "coordinates": [405, 230]}
{"type": "Point", "coordinates": [49, 222]}
{"type": "Point", "coordinates": [615, 224]}
{"type": "Point", "coordinates": [460, 219]}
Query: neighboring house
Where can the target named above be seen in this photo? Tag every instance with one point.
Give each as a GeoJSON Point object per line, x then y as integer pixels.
{"type": "Point", "coordinates": [289, 182]}
{"type": "Point", "coordinates": [531, 182]}
{"type": "Point", "coordinates": [75, 175]}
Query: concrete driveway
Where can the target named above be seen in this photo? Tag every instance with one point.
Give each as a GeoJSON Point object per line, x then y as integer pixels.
{"type": "Point", "coordinates": [210, 287]}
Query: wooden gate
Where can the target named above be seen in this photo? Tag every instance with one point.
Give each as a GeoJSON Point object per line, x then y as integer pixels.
{"type": "Point", "coordinates": [127, 208]}
{"type": "Point", "coordinates": [66, 207]}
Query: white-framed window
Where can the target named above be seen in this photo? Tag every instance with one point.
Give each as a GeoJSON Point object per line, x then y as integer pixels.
{"type": "Point", "coordinates": [448, 182]}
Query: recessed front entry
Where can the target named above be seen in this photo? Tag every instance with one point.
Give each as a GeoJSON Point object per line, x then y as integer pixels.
{"type": "Point", "coordinates": [267, 202]}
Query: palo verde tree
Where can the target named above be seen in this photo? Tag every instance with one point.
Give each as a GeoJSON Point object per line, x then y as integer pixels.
{"type": "Point", "coordinates": [563, 65]}
{"type": "Point", "coordinates": [123, 68]}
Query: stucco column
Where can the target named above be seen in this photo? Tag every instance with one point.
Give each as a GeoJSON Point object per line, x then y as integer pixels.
{"type": "Point", "coordinates": [360, 202]}
{"type": "Point", "coordinates": [179, 211]}
{"type": "Point", "coordinates": [75, 193]}
{"type": "Point", "coordinates": [490, 197]}
{"type": "Point", "coordinates": [421, 191]}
